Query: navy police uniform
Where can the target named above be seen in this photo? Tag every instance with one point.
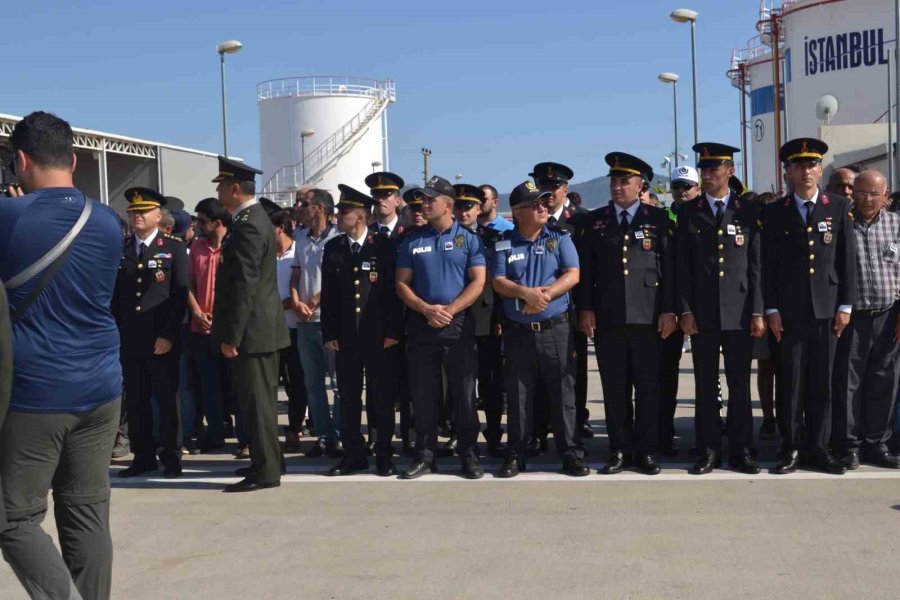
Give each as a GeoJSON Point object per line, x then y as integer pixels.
{"type": "Point", "coordinates": [538, 346]}
{"type": "Point", "coordinates": [810, 274]}
{"type": "Point", "coordinates": [440, 261]}
{"type": "Point", "coordinates": [627, 274]}
{"type": "Point", "coordinates": [360, 309]}
{"type": "Point", "coordinates": [719, 282]}
{"type": "Point", "coordinates": [149, 303]}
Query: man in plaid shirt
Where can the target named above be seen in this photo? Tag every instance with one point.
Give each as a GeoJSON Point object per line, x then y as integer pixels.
{"type": "Point", "coordinates": [866, 362]}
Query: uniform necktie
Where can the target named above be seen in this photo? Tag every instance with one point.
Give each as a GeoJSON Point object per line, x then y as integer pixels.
{"type": "Point", "coordinates": [355, 248]}
{"type": "Point", "coordinates": [552, 220]}
{"type": "Point", "coordinates": [384, 230]}
{"type": "Point", "coordinates": [143, 247]}
{"type": "Point", "coordinates": [809, 210]}
{"type": "Point", "coordinates": [720, 211]}
{"type": "Point", "coordinates": [623, 222]}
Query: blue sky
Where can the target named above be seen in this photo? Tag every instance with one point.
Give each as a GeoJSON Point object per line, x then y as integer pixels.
{"type": "Point", "coordinates": [492, 87]}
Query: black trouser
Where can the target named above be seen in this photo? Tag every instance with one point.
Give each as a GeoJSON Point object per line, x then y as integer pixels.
{"type": "Point", "coordinates": [68, 453]}
{"type": "Point", "coordinates": [351, 360]}
{"type": "Point", "coordinates": [428, 351]}
{"type": "Point", "coordinates": [737, 348]}
{"type": "Point", "coordinates": [627, 356]}
{"type": "Point", "coordinates": [865, 381]}
{"type": "Point", "coordinates": [806, 360]}
{"type": "Point", "coordinates": [145, 378]}
{"type": "Point", "coordinates": [581, 376]}
{"type": "Point", "coordinates": [541, 355]}
{"type": "Point", "coordinates": [256, 384]}
{"type": "Point", "coordinates": [669, 364]}
{"type": "Point", "coordinates": [292, 372]}
{"type": "Point", "coordinates": [396, 358]}
{"type": "Point", "coordinates": [490, 384]}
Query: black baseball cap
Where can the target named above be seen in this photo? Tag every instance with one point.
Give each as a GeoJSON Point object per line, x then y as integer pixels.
{"type": "Point", "coordinates": [526, 193]}
{"type": "Point", "coordinates": [438, 186]}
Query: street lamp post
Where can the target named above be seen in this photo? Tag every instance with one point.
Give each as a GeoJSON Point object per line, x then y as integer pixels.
{"type": "Point", "coordinates": [227, 47]}
{"type": "Point", "coordinates": [375, 165]}
{"type": "Point", "coordinates": [673, 79]}
{"type": "Point", "coordinates": [303, 135]}
{"type": "Point", "coordinates": [458, 177]}
{"type": "Point", "coordinates": [425, 154]}
{"type": "Point", "coordinates": [686, 15]}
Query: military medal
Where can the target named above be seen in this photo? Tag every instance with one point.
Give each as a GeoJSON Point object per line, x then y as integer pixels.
{"type": "Point", "coordinates": [160, 276]}
{"type": "Point", "coordinates": [739, 240]}
{"type": "Point", "coordinates": [458, 241]}
{"type": "Point", "coordinates": [373, 276]}
{"type": "Point", "coordinates": [827, 237]}
{"type": "Point", "coordinates": [551, 245]}
{"type": "Point", "coordinates": [647, 243]}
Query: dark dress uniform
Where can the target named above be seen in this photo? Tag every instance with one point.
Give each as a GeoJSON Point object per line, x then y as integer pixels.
{"type": "Point", "coordinates": [627, 275]}
{"type": "Point", "coordinates": [669, 372]}
{"type": "Point", "coordinates": [810, 272]}
{"type": "Point", "coordinates": [149, 303]}
{"type": "Point", "coordinates": [488, 316]}
{"type": "Point", "coordinates": [248, 314]}
{"type": "Point", "coordinates": [719, 282]}
{"type": "Point", "coordinates": [360, 309]}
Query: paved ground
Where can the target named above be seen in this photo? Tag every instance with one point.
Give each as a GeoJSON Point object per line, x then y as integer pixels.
{"type": "Point", "coordinates": [540, 535]}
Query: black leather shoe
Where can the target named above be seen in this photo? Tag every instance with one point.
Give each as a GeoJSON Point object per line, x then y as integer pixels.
{"type": "Point", "coordinates": [172, 469]}
{"type": "Point", "coordinates": [385, 467]}
{"type": "Point", "coordinates": [616, 463]}
{"type": "Point", "coordinates": [744, 463]}
{"type": "Point", "coordinates": [348, 466]}
{"type": "Point", "coordinates": [574, 466]}
{"type": "Point", "coordinates": [136, 469]}
{"type": "Point", "coordinates": [534, 447]}
{"type": "Point", "coordinates": [788, 464]}
{"type": "Point", "coordinates": [881, 458]}
{"type": "Point", "coordinates": [587, 431]}
{"type": "Point", "coordinates": [317, 450]}
{"type": "Point", "coordinates": [510, 468]}
{"type": "Point", "coordinates": [851, 460]}
{"type": "Point", "coordinates": [448, 448]}
{"type": "Point", "coordinates": [827, 463]}
{"type": "Point", "coordinates": [249, 485]}
{"type": "Point", "coordinates": [471, 468]}
{"type": "Point", "coordinates": [496, 449]}
{"type": "Point", "coordinates": [418, 468]}
{"type": "Point", "coordinates": [335, 450]}
{"type": "Point", "coordinates": [370, 447]}
{"type": "Point", "coordinates": [646, 464]}
{"type": "Point", "coordinates": [707, 463]}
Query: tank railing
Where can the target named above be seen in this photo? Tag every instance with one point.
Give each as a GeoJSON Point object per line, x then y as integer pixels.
{"type": "Point", "coordinates": [324, 86]}
{"type": "Point", "coordinates": [317, 159]}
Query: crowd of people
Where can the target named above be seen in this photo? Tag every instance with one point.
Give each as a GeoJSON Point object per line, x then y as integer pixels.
{"type": "Point", "coordinates": [166, 333]}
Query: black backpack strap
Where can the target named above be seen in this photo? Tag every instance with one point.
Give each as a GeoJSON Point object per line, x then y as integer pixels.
{"type": "Point", "coordinates": [48, 275]}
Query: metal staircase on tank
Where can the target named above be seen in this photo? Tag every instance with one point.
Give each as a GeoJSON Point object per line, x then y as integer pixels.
{"type": "Point", "coordinates": [324, 157]}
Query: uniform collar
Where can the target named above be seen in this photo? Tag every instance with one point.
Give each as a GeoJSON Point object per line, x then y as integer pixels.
{"type": "Point", "coordinates": [799, 202]}
{"type": "Point", "coordinates": [138, 241]}
{"type": "Point", "coordinates": [244, 206]}
{"type": "Point", "coordinates": [559, 212]}
{"type": "Point", "coordinates": [391, 226]}
{"type": "Point", "coordinates": [711, 200]}
{"type": "Point", "coordinates": [517, 237]}
{"type": "Point", "coordinates": [631, 210]}
{"type": "Point", "coordinates": [361, 241]}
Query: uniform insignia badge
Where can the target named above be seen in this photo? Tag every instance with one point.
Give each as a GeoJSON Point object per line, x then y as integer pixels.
{"type": "Point", "coordinates": [366, 266]}
{"type": "Point", "coordinates": [551, 245]}
{"type": "Point", "coordinates": [159, 242]}
{"type": "Point", "coordinates": [160, 276]}
{"type": "Point", "coordinates": [538, 250]}
{"type": "Point", "coordinates": [824, 200]}
{"type": "Point", "coordinates": [458, 241]}
{"type": "Point", "coordinates": [373, 276]}
{"type": "Point", "coordinates": [737, 204]}
{"type": "Point", "coordinates": [646, 211]}
{"type": "Point", "coordinates": [400, 229]}
{"type": "Point", "coordinates": [647, 244]}
{"type": "Point", "coordinates": [448, 246]}
{"type": "Point", "coordinates": [739, 240]}
{"type": "Point", "coordinates": [731, 229]}
{"type": "Point", "coordinates": [151, 264]}
{"type": "Point", "coordinates": [827, 237]}
{"type": "Point", "coordinates": [638, 235]}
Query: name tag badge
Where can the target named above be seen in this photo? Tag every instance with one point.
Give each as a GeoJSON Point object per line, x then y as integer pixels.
{"type": "Point", "coordinates": [731, 230]}
{"type": "Point", "coordinates": [448, 246]}
{"type": "Point", "coordinates": [823, 226]}
{"type": "Point", "coordinates": [151, 264]}
{"type": "Point", "coordinates": [503, 245]}
{"type": "Point", "coordinates": [366, 266]}
{"type": "Point", "coordinates": [538, 249]}
{"type": "Point", "coordinates": [638, 235]}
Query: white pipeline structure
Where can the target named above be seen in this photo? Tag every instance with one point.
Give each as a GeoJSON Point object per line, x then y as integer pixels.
{"type": "Point", "coordinates": [321, 131]}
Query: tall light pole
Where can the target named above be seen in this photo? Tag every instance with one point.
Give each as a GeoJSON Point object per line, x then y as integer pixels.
{"type": "Point", "coordinates": [673, 79]}
{"type": "Point", "coordinates": [227, 47]}
{"type": "Point", "coordinates": [425, 154]}
{"type": "Point", "coordinates": [686, 15]}
{"type": "Point", "coordinates": [303, 135]}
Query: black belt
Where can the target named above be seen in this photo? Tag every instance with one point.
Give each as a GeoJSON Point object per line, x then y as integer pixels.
{"type": "Point", "coordinates": [871, 312]}
{"type": "Point", "coordinates": [541, 325]}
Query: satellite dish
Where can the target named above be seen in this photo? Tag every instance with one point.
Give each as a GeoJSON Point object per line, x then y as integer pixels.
{"type": "Point", "coordinates": [826, 108]}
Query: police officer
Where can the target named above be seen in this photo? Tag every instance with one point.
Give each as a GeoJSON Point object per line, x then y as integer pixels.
{"type": "Point", "coordinates": [626, 302]}
{"type": "Point", "coordinates": [533, 269]}
{"type": "Point", "coordinates": [440, 274]}
{"type": "Point", "coordinates": [810, 289]}
{"type": "Point", "coordinates": [248, 321]}
{"type": "Point", "coordinates": [720, 302]}
{"type": "Point", "coordinates": [361, 320]}
{"type": "Point", "coordinates": [467, 209]}
{"type": "Point", "coordinates": [149, 304]}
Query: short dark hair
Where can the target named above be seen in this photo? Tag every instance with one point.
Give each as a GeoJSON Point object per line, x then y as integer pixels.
{"type": "Point", "coordinates": [322, 198]}
{"type": "Point", "coordinates": [491, 189]}
{"type": "Point", "coordinates": [248, 188]}
{"type": "Point", "coordinates": [574, 198]}
{"type": "Point", "coordinates": [46, 138]}
{"type": "Point", "coordinates": [213, 211]}
{"type": "Point", "coordinates": [282, 218]}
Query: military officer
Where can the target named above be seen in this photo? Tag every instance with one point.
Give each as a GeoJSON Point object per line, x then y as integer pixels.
{"type": "Point", "coordinates": [626, 303]}
{"type": "Point", "coordinates": [467, 209]}
{"type": "Point", "coordinates": [149, 304]}
{"type": "Point", "coordinates": [720, 302]}
{"type": "Point", "coordinates": [534, 267]}
{"type": "Point", "coordinates": [810, 289]}
{"type": "Point", "coordinates": [440, 274]}
{"type": "Point", "coordinates": [248, 321]}
{"type": "Point", "coordinates": [361, 319]}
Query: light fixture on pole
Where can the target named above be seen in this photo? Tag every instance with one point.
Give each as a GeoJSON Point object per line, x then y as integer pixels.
{"type": "Point", "coordinates": [458, 177]}
{"type": "Point", "coordinates": [426, 153]}
{"type": "Point", "coordinates": [375, 165]}
{"type": "Point", "coordinates": [227, 47]}
{"type": "Point", "coordinates": [303, 135]}
{"type": "Point", "coordinates": [686, 15]}
{"type": "Point", "coordinates": [673, 79]}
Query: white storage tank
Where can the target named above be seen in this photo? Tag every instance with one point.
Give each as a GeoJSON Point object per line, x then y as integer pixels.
{"type": "Point", "coordinates": [761, 119]}
{"type": "Point", "coordinates": [321, 131]}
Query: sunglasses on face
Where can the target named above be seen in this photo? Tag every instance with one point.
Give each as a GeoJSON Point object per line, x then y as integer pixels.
{"type": "Point", "coordinates": [682, 186]}
{"type": "Point", "coordinates": [537, 205]}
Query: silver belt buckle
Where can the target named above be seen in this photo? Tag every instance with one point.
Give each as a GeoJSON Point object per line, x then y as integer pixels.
{"type": "Point", "coordinates": [535, 326]}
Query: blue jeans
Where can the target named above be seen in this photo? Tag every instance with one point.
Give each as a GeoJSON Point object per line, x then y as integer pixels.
{"type": "Point", "coordinates": [205, 364]}
{"type": "Point", "coordinates": [314, 359]}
